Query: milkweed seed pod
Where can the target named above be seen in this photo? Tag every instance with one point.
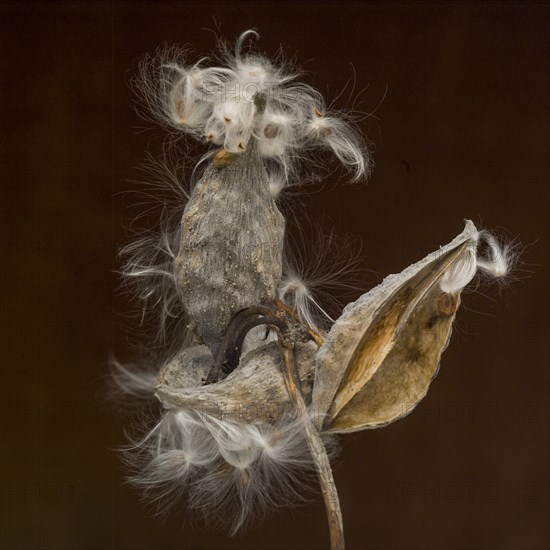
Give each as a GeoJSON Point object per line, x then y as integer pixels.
{"type": "Point", "coordinates": [256, 389]}
{"type": "Point", "coordinates": [230, 255]}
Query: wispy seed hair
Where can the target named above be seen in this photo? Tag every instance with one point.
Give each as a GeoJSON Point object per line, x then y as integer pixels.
{"type": "Point", "coordinates": [247, 96]}
{"type": "Point", "coordinates": [486, 255]}
{"type": "Point", "coordinates": [227, 472]}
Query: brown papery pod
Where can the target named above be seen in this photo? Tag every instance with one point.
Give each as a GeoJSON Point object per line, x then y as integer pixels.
{"type": "Point", "coordinates": [380, 356]}
{"type": "Point", "coordinates": [254, 392]}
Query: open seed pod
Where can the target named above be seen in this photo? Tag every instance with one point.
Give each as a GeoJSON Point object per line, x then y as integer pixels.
{"type": "Point", "coordinates": [254, 392]}
{"type": "Point", "coordinates": [382, 353]}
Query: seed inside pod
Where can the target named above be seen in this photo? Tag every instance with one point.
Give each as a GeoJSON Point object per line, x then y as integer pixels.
{"type": "Point", "coordinates": [272, 131]}
{"type": "Point", "coordinates": [180, 108]}
{"type": "Point", "coordinates": [223, 158]}
{"type": "Point", "coordinates": [446, 303]}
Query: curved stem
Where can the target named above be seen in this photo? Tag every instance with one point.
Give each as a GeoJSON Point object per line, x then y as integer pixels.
{"type": "Point", "coordinates": [228, 356]}
{"type": "Point", "coordinates": [316, 447]}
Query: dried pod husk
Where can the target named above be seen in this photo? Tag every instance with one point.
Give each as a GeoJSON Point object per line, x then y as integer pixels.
{"type": "Point", "coordinates": [255, 391]}
{"type": "Point", "coordinates": [382, 353]}
{"type": "Point", "coordinates": [230, 253]}
{"type": "Point", "coordinates": [404, 376]}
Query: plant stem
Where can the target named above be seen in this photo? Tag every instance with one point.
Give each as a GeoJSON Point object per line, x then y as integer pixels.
{"type": "Point", "coordinates": [316, 447]}
{"type": "Point", "coordinates": [281, 306]}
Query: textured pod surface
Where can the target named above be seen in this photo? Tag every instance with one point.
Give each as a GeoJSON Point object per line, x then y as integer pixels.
{"type": "Point", "coordinates": [255, 391]}
{"type": "Point", "coordinates": [230, 255]}
{"type": "Point", "coordinates": [371, 330]}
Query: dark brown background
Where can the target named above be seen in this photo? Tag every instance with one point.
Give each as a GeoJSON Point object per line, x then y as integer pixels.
{"type": "Point", "coordinates": [462, 132]}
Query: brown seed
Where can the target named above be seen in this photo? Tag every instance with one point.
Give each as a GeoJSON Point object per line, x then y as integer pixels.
{"type": "Point", "coordinates": [272, 131]}
{"type": "Point", "coordinates": [245, 477]}
{"type": "Point", "coordinates": [223, 158]}
{"type": "Point", "coordinates": [180, 107]}
{"type": "Point", "coordinates": [227, 118]}
{"type": "Point", "coordinates": [414, 354]}
{"type": "Point", "coordinates": [446, 303]}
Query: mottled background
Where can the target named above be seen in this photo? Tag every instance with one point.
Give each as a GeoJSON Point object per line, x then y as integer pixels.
{"type": "Point", "coordinates": [460, 126]}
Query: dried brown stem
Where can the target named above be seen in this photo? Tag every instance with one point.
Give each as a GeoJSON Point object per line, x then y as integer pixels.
{"type": "Point", "coordinates": [316, 447]}
{"type": "Point", "coordinates": [229, 353]}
